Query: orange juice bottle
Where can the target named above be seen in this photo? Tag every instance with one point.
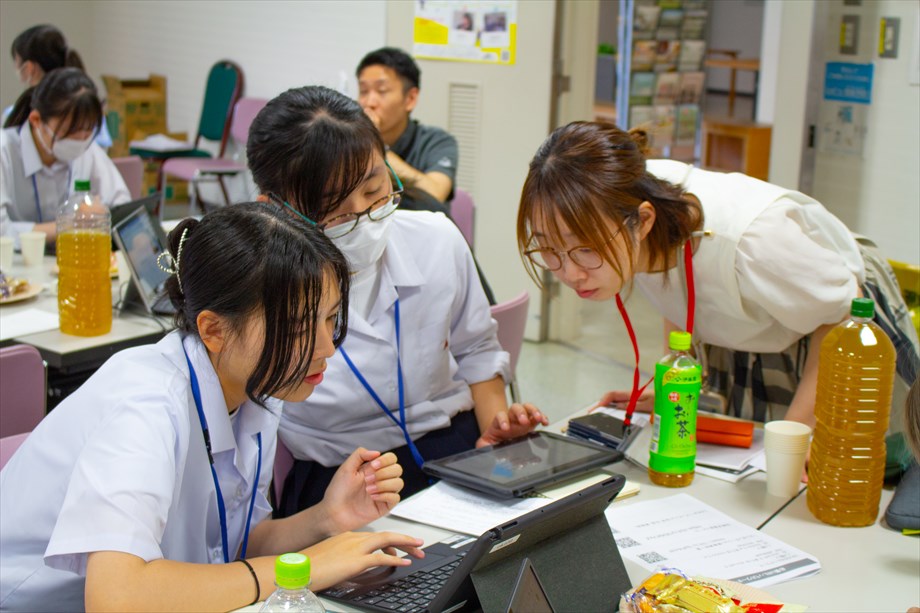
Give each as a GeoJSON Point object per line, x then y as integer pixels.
{"type": "Point", "coordinates": [84, 250]}
{"type": "Point", "coordinates": [846, 469]}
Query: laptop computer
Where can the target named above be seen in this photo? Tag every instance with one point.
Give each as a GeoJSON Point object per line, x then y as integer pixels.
{"type": "Point", "coordinates": [142, 240]}
{"type": "Point", "coordinates": [562, 539]}
{"type": "Point", "coordinates": [149, 202]}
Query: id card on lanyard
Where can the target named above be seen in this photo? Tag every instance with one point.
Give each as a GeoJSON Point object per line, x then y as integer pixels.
{"type": "Point", "coordinates": [401, 421]}
{"type": "Point", "coordinates": [221, 508]}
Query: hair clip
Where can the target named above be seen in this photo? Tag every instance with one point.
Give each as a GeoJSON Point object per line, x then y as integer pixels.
{"type": "Point", "coordinates": [175, 261]}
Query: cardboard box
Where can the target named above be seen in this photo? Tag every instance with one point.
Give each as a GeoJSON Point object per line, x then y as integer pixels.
{"type": "Point", "coordinates": [176, 191]}
{"type": "Point", "coordinates": [134, 107]}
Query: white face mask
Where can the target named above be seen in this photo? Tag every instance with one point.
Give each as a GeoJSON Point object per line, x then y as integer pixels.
{"type": "Point", "coordinates": [364, 245]}
{"type": "Point", "coordinates": [67, 149]}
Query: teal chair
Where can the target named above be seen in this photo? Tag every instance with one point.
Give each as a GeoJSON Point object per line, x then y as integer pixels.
{"type": "Point", "coordinates": [223, 90]}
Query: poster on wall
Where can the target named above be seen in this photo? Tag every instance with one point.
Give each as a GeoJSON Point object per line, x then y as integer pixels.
{"type": "Point", "coordinates": [471, 31]}
{"type": "Point", "coordinates": [843, 113]}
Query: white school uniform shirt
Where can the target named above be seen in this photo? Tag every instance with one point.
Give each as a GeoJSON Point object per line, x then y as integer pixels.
{"type": "Point", "coordinates": [120, 465]}
{"type": "Point", "coordinates": [447, 342]}
{"type": "Point", "coordinates": [776, 267]}
{"type": "Point", "coordinates": [20, 162]}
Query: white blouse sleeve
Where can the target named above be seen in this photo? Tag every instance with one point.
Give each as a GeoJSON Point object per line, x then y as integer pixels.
{"type": "Point", "coordinates": [122, 486]}
{"type": "Point", "coordinates": [474, 334]}
{"type": "Point", "coordinates": [803, 275]}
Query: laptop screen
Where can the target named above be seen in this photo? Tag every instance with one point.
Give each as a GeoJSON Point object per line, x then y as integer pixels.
{"type": "Point", "coordinates": [142, 245]}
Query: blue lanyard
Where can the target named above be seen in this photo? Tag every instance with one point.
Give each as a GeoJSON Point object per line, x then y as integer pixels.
{"type": "Point", "coordinates": [221, 510]}
{"type": "Point", "coordinates": [401, 422]}
{"type": "Point", "coordinates": [38, 202]}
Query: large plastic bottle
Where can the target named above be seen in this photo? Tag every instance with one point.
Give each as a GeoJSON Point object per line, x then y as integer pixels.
{"type": "Point", "coordinates": [292, 575]}
{"type": "Point", "coordinates": [84, 250]}
{"type": "Point", "coordinates": [678, 379]}
{"type": "Point", "coordinates": [846, 468]}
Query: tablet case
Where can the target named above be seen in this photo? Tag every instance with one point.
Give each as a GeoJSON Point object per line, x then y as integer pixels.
{"type": "Point", "coordinates": [581, 570]}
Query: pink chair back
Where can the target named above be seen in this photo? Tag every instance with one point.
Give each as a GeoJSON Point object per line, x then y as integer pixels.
{"type": "Point", "coordinates": [131, 169]}
{"type": "Point", "coordinates": [22, 389]}
{"type": "Point", "coordinates": [512, 319]}
{"type": "Point", "coordinates": [245, 112]}
{"type": "Point", "coordinates": [284, 462]}
{"type": "Point", "coordinates": [9, 445]}
{"type": "Point", "coordinates": [463, 212]}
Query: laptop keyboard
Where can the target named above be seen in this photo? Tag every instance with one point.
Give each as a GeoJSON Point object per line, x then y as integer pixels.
{"type": "Point", "coordinates": [410, 594]}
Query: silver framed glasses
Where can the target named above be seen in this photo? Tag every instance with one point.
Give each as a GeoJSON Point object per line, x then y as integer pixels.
{"type": "Point", "coordinates": [583, 256]}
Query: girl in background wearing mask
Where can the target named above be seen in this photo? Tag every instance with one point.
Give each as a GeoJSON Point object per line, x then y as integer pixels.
{"type": "Point", "coordinates": [46, 145]}
{"type": "Point", "coordinates": [146, 489]}
{"type": "Point", "coordinates": [41, 49]}
{"type": "Point", "coordinates": [421, 373]}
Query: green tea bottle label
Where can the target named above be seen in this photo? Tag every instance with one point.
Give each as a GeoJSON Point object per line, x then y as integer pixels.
{"type": "Point", "coordinates": [677, 390]}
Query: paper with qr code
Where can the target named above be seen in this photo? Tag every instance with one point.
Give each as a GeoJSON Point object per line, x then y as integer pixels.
{"type": "Point", "coordinates": [682, 532]}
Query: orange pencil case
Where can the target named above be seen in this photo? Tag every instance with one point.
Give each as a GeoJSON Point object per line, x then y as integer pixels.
{"type": "Point", "coordinates": [729, 432]}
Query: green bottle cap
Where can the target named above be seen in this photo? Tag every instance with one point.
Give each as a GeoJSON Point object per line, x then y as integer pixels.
{"type": "Point", "coordinates": [862, 307]}
{"type": "Point", "coordinates": [80, 186]}
{"type": "Point", "coordinates": [292, 571]}
{"type": "Point", "coordinates": [679, 341]}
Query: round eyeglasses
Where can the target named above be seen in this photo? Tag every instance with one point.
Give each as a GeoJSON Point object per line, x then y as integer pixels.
{"type": "Point", "coordinates": [582, 256]}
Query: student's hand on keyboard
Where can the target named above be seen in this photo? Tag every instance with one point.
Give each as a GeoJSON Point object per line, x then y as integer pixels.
{"type": "Point", "coordinates": [517, 421]}
{"type": "Point", "coordinates": [345, 555]}
{"type": "Point", "coordinates": [366, 487]}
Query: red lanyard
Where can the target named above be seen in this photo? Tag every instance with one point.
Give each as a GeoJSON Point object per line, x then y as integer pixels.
{"type": "Point", "coordinates": [691, 305]}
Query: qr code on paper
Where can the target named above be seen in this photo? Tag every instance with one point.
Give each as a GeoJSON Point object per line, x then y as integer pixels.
{"type": "Point", "coordinates": [651, 557]}
{"type": "Point", "coordinates": [625, 542]}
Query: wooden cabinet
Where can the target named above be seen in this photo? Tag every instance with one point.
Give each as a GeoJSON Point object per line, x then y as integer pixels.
{"type": "Point", "coordinates": [736, 145]}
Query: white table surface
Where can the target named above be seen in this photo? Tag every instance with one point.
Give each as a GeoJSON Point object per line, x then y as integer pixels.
{"type": "Point", "coordinates": [57, 347]}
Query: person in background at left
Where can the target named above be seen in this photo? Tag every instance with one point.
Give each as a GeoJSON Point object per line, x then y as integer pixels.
{"type": "Point", "coordinates": [423, 157]}
{"type": "Point", "coordinates": [46, 145]}
{"type": "Point", "coordinates": [41, 49]}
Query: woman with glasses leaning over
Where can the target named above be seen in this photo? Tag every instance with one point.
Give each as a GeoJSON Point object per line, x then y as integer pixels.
{"type": "Point", "coordinates": [421, 372]}
{"type": "Point", "coordinates": [759, 273]}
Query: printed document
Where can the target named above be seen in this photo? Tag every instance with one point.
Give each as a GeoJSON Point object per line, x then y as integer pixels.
{"type": "Point", "coordinates": [683, 533]}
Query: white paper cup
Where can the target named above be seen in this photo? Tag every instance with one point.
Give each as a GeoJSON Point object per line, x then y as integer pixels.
{"type": "Point", "coordinates": [33, 247]}
{"type": "Point", "coordinates": [785, 445]}
{"type": "Point", "coordinates": [6, 253]}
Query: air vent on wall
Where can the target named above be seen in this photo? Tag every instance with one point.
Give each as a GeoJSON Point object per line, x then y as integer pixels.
{"type": "Point", "coordinates": [464, 122]}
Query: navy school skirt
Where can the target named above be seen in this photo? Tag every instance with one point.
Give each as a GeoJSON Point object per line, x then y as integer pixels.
{"type": "Point", "coordinates": [306, 483]}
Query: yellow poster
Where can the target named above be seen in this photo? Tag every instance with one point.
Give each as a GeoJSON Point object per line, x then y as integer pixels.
{"type": "Point", "coordinates": [471, 31]}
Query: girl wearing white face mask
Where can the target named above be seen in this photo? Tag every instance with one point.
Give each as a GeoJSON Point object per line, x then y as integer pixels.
{"type": "Point", "coordinates": [421, 372]}
{"type": "Point", "coordinates": [46, 146]}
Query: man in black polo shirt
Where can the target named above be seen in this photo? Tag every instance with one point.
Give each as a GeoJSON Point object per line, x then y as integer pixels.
{"type": "Point", "coordinates": [424, 157]}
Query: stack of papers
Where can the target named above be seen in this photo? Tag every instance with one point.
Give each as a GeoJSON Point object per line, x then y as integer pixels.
{"type": "Point", "coordinates": [459, 509]}
{"type": "Point", "coordinates": [730, 464]}
{"type": "Point", "coordinates": [683, 533]}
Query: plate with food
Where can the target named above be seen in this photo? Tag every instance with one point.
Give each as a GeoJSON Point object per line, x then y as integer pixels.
{"type": "Point", "coordinates": [16, 290]}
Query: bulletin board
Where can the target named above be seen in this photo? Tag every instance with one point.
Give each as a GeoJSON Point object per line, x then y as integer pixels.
{"type": "Point", "coordinates": [458, 31]}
